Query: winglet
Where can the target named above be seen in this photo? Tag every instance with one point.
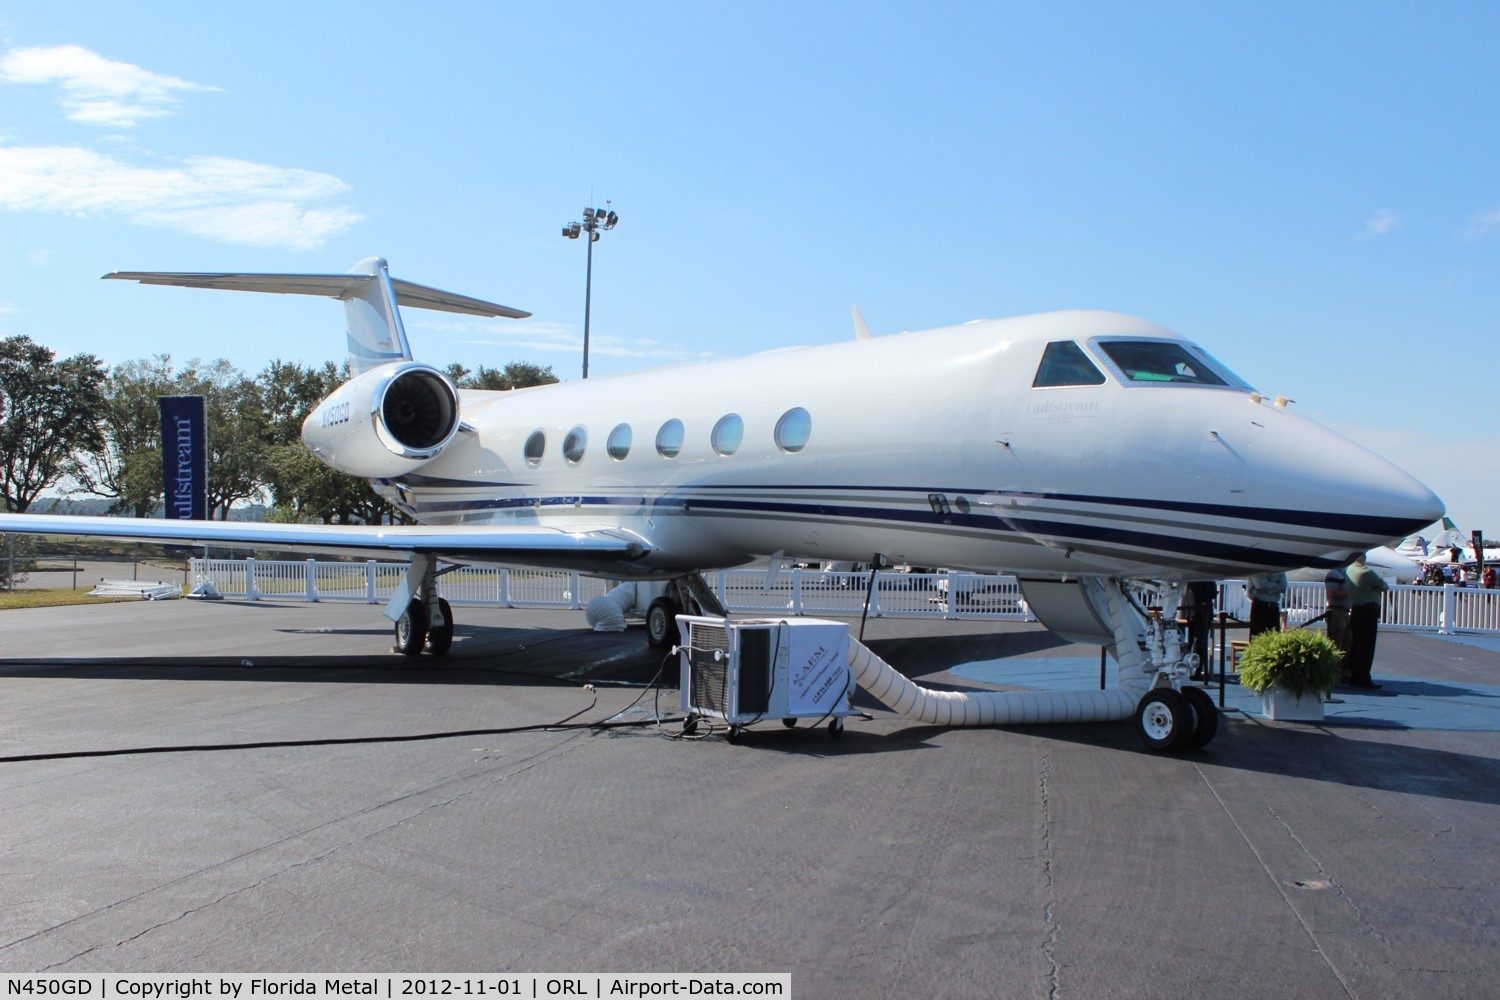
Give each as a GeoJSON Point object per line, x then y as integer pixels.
{"type": "Point", "coordinates": [861, 331]}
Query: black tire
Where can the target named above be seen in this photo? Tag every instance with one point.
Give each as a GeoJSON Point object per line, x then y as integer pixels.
{"type": "Point", "coordinates": [411, 629]}
{"type": "Point", "coordinates": [440, 637]}
{"type": "Point", "coordinates": [789, 723]}
{"type": "Point", "coordinates": [836, 729]}
{"type": "Point", "coordinates": [1163, 718]}
{"type": "Point", "coordinates": [690, 725]}
{"type": "Point", "coordinates": [733, 735]}
{"type": "Point", "coordinates": [661, 623]}
{"type": "Point", "coordinates": [1205, 718]}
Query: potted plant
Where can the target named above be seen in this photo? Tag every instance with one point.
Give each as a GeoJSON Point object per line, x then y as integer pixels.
{"type": "Point", "coordinates": [1290, 671]}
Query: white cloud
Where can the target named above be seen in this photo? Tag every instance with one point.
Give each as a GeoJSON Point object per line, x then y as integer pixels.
{"type": "Point", "coordinates": [1379, 224]}
{"type": "Point", "coordinates": [96, 90]}
{"type": "Point", "coordinates": [1484, 224]}
{"type": "Point", "coordinates": [233, 201]}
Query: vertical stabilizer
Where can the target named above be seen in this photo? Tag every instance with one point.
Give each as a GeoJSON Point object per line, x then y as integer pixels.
{"type": "Point", "coordinates": [376, 336]}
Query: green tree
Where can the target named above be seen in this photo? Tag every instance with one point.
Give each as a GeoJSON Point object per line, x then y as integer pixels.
{"type": "Point", "coordinates": [237, 433]}
{"type": "Point", "coordinates": [51, 414]}
{"type": "Point", "coordinates": [515, 375]}
{"type": "Point", "coordinates": [125, 464]}
{"type": "Point", "coordinates": [304, 490]}
{"type": "Point", "coordinates": [127, 467]}
{"type": "Point", "coordinates": [289, 391]}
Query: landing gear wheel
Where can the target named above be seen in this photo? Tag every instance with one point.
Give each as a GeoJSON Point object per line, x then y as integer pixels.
{"type": "Point", "coordinates": [1205, 718]}
{"type": "Point", "coordinates": [440, 637]}
{"type": "Point", "coordinates": [411, 629]}
{"type": "Point", "coordinates": [661, 623]}
{"type": "Point", "coordinates": [1164, 717]}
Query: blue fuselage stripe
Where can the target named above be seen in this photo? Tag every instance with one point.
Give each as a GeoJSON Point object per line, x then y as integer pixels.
{"type": "Point", "coordinates": [1060, 532]}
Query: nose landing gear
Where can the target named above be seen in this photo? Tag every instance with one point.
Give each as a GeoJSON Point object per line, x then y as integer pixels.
{"type": "Point", "coordinates": [1173, 719]}
{"type": "Point", "coordinates": [1173, 715]}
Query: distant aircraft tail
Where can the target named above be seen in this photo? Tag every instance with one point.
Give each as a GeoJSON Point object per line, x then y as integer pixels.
{"type": "Point", "coordinates": [369, 293]}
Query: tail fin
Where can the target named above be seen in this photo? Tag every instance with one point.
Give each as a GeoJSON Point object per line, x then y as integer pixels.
{"type": "Point", "coordinates": [369, 293]}
{"type": "Point", "coordinates": [376, 335]}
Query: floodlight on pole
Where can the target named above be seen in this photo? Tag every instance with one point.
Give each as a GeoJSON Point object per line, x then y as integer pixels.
{"type": "Point", "coordinates": [594, 220]}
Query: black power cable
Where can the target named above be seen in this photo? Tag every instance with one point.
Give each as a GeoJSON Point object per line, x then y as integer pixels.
{"type": "Point", "coordinates": [560, 726]}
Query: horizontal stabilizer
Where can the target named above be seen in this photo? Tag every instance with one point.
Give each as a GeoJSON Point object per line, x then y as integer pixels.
{"type": "Point", "coordinates": [337, 286]}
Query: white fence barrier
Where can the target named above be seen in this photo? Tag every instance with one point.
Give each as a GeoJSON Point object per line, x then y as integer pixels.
{"type": "Point", "coordinates": [374, 582]}
{"type": "Point", "coordinates": [1445, 609]}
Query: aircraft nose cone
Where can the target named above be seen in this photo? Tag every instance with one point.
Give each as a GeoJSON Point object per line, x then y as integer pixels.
{"type": "Point", "coordinates": [1409, 502]}
{"type": "Point", "coordinates": [1384, 500]}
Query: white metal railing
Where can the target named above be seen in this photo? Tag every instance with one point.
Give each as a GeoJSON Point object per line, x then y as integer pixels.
{"type": "Point", "coordinates": [1445, 609]}
{"type": "Point", "coordinates": [373, 583]}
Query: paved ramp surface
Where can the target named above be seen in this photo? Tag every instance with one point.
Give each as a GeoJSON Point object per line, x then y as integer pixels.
{"type": "Point", "coordinates": [1284, 860]}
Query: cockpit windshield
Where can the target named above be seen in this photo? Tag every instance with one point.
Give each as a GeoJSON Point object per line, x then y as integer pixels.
{"type": "Point", "coordinates": [1163, 362]}
{"type": "Point", "coordinates": [1064, 363]}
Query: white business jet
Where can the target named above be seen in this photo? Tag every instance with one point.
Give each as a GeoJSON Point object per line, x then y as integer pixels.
{"type": "Point", "coordinates": [1074, 449]}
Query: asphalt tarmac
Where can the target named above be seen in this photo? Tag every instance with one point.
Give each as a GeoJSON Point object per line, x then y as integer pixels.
{"type": "Point", "coordinates": [265, 787]}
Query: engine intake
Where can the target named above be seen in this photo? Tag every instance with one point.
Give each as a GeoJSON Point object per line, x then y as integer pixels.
{"type": "Point", "coordinates": [389, 421]}
{"type": "Point", "coordinates": [419, 411]}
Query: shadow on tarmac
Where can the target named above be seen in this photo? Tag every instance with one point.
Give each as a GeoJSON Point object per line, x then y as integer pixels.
{"type": "Point", "coordinates": [572, 657]}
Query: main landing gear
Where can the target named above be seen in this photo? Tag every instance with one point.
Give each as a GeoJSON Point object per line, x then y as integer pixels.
{"type": "Point", "coordinates": [415, 629]}
{"type": "Point", "coordinates": [427, 622]}
{"type": "Point", "coordinates": [685, 595]}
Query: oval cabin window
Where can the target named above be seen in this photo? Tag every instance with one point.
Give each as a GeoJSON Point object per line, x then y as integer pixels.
{"type": "Point", "coordinates": [574, 445]}
{"type": "Point", "coordinates": [536, 446]}
{"type": "Point", "coordinates": [669, 439]}
{"type": "Point", "coordinates": [793, 430]}
{"type": "Point", "coordinates": [618, 444]}
{"type": "Point", "coordinates": [728, 433]}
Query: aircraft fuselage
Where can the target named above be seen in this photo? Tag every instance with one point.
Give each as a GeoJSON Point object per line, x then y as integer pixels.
{"type": "Point", "coordinates": [934, 448]}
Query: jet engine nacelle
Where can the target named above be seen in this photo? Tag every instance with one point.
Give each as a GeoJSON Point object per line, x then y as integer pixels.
{"type": "Point", "coordinates": [387, 422]}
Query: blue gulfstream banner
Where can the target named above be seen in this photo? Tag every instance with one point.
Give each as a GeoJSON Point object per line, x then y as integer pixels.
{"type": "Point", "coordinates": [184, 457]}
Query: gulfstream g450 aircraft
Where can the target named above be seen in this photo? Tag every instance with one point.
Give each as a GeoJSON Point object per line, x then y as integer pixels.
{"type": "Point", "coordinates": [1074, 449]}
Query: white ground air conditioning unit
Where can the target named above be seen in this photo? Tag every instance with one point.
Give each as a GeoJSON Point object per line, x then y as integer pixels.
{"type": "Point", "coordinates": [745, 671]}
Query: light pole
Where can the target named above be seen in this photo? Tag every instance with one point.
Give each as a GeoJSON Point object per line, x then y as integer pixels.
{"type": "Point", "coordinates": [594, 219]}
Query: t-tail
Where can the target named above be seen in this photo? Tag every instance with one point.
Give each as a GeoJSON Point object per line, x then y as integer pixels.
{"type": "Point", "coordinates": [370, 295]}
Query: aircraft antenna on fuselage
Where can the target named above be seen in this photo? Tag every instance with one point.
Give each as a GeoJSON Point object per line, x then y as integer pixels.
{"type": "Point", "coordinates": [861, 331]}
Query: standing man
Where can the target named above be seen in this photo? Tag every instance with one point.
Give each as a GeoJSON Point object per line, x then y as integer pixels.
{"type": "Point", "coordinates": [1366, 589]}
{"type": "Point", "coordinates": [1266, 591]}
{"type": "Point", "coordinates": [1336, 589]}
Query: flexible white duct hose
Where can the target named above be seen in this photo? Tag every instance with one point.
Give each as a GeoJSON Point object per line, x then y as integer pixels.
{"type": "Point", "coordinates": [1009, 708]}
{"type": "Point", "coordinates": [606, 613]}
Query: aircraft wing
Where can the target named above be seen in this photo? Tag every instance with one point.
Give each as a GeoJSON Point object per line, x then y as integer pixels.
{"type": "Point", "coordinates": [511, 545]}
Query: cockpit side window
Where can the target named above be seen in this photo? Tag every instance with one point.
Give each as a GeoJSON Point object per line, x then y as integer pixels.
{"type": "Point", "coordinates": [1064, 363]}
{"type": "Point", "coordinates": [1160, 361]}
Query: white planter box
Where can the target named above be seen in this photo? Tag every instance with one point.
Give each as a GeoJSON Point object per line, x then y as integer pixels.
{"type": "Point", "coordinates": [1283, 707]}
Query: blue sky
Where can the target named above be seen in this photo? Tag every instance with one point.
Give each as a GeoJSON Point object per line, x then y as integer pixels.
{"type": "Point", "coordinates": [1311, 191]}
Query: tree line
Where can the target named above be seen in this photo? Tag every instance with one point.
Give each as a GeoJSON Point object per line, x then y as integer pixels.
{"type": "Point", "coordinates": [75, 425]}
